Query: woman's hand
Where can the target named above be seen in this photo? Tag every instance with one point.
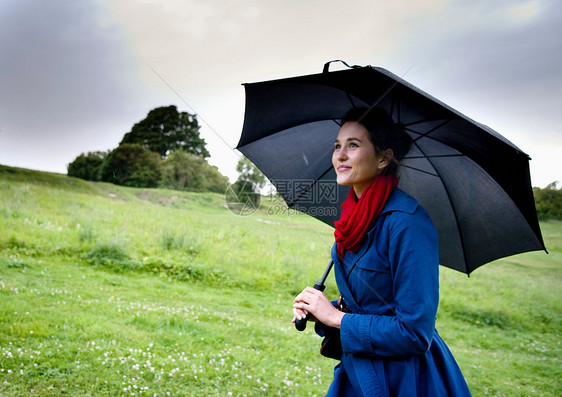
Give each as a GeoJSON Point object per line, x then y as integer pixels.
{"type": "Point", "coordinates": [313, 301]}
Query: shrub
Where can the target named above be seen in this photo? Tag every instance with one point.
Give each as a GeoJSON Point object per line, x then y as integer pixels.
{"type": "Point", "coordinates": [548, 202]}
{"type": "Point", "coordinates": [87, 166]}
{"type": "Point", "coordinates": [110, 255]}
{"type": "Point", "coordinates": [132, 165]}
{"type": "Point", "coordinates": [185, 171]}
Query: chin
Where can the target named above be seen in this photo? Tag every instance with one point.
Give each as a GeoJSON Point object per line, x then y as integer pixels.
{"type": "Point", "coordinates": [340, 180]}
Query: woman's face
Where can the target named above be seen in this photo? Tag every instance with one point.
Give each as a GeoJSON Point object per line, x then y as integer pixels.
{"type": "Point", "coordinates": [354, 157]}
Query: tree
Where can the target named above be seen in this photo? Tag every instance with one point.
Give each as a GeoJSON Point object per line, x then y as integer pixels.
{"type": "Point", "coordinates": [243, 196]}
{"type": "Point", "coordinates": [165, 130]}
{"type": "Point", "coordinates": [132, 165]}
{"type": "Point", "coordinates": [548, 202]}
{"type": "Point", "coordinates": [184, 171]}
{"type": "Point", "coordinates": [87, 166]}
{"type": "Point", "coordinates": [250, 173]}
{"type": "Point", "coordinates": [212, 180]}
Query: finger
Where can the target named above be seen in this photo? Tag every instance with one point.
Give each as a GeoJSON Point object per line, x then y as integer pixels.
{"type": "Point", "coordinates": [299, 297]}
{"type": "Point", "coordinates": [309, 298]}
{"type": "Point", "coordinates": [305, 289]}
{"type": "Point", "coordinates": [297, 311]}
{"type": "Point", "coordinates": [300, 310]}
{"type": "Point", "coordinates": [302, 305]}
{"type": "Point", "coordinates": [310, 290]}
{"type": "Point", "coordinates": [300, 313]}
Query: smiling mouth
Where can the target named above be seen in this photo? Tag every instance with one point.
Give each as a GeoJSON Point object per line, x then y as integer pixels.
{"type": "Point", "coordinates": [343, 168]}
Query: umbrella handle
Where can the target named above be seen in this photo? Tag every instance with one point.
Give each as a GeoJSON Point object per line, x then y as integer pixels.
{"type": "Point", "coordinates": [300, 325]}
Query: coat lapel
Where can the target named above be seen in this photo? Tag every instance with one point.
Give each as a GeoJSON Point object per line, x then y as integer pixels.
{"type": "Point", "coordinates": [343, 286]}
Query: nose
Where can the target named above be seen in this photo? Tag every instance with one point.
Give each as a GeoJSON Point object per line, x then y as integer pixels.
{"type": "Point", "coordinates": [341, 154]}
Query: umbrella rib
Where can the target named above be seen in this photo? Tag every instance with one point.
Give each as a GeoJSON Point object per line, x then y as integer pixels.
{"type": "Point", "coordinates": [395, 104]}
{"type": "Point", "coordinates": [304, 191]}
{"type": "Point", "coordinates": [281, 129]}
{"type": "Point", "coordinates": [434, 156]}
{"type": "Point", "coordinates": [420, 170]}
{"type": "Point", "coordinates": [425, 134]}
{"type": "Point", "coordinates": [418, 122]}
{"type": "Point", "coordinates": [452, 208]}
{"type": "Point", "coordinates": [318, 160]}
{"type": "Point", "coordinates": [350, 99]}
{"type": "Point", "coordinates": [336, 121]}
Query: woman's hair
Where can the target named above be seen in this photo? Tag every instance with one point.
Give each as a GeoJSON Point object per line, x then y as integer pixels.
{"type": "Point", "coordinates": [383, 133]}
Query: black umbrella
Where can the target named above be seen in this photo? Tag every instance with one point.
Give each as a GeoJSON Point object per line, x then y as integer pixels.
{"type": "Point", "coordinates": [474, 183]}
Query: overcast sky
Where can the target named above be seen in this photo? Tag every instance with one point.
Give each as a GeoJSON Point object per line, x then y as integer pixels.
{"type": "Point", "coordinates": [75, 76]}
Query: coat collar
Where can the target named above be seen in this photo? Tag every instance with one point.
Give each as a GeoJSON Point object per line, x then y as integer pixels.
{"type": "Point", "coordinates": [398, 201]}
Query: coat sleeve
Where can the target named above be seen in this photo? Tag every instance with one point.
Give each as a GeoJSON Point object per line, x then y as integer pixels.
{"type": "Point", "coordinates": [414, 260]}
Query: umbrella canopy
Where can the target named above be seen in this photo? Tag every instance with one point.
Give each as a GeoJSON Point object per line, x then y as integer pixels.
{"type": "Point", "coordinates": [473, 182]}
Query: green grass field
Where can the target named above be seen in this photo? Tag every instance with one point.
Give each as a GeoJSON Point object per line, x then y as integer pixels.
{"type": "Point", "coordinates": [107, 290]}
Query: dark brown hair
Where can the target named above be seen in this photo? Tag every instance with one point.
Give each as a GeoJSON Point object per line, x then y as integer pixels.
{"type": "Point", "coordinates": [383, 133]}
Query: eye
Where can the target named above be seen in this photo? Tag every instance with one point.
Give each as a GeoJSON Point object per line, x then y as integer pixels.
{"type": "Point", "coordinates": [337, 146]}
{"type": "Point", "coordinates": [353, 144]}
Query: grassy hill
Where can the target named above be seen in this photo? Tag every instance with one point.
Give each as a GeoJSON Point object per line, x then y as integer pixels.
{"type": "Point", "coordinates": [108, 290]}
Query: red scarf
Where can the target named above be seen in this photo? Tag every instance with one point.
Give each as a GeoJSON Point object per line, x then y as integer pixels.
{"type": "Point", "coordinates": [358, 215]}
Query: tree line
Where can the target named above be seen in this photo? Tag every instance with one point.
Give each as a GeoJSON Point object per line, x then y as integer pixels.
{"type": "Point", "coordinates": [548, 202]}
{"type": "Point", "coordinates": [166, 150]}
{"type": "Point", "coordinates": [162, 150]}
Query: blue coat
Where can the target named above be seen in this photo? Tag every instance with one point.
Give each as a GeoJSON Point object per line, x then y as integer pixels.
{"type": "Point", "coordinates": [391, 285]}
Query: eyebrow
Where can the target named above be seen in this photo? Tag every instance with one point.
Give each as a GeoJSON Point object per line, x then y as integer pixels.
{"type": "Point", "coordinates": [349, 139]}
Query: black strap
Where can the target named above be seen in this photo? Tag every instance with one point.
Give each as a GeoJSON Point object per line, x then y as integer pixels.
{"type": "Point", "coordinates": [327, 65]}
{"type": "Point", "coordinates": [345, 290]}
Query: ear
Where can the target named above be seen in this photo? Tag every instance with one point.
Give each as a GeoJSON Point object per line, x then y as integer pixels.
{"type": "Point", "coordinates": [385, 157]}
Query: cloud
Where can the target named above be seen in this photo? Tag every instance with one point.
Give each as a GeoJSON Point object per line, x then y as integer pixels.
{"type": "Point", "coordinates": [67, 74]}
{"type": "Point", "coordinates": [77, 75]}
{"type": "Point", "coordinates": [525, 11]}
{"type": "Point", "coordinates": [219, 42]}
{"type": "Point", "coordinates": [492, 62]}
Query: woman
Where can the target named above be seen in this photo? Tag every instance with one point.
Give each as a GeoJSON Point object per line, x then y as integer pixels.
{"type": "Point", "coordinates": [386, 267]}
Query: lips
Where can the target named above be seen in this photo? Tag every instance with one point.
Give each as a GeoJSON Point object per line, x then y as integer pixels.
{"type": "Point", "coordinates": [343, 168]}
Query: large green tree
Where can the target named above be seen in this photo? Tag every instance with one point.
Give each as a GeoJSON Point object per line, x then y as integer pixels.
{"type": "Point", "coordinates": [132, 165]}
{"type": "Point", "coordinates": [87, 166]}
{"type": "Point", "coordinates": [165, 130]}
{"type": "Point", "coordinates": [185, 171]}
